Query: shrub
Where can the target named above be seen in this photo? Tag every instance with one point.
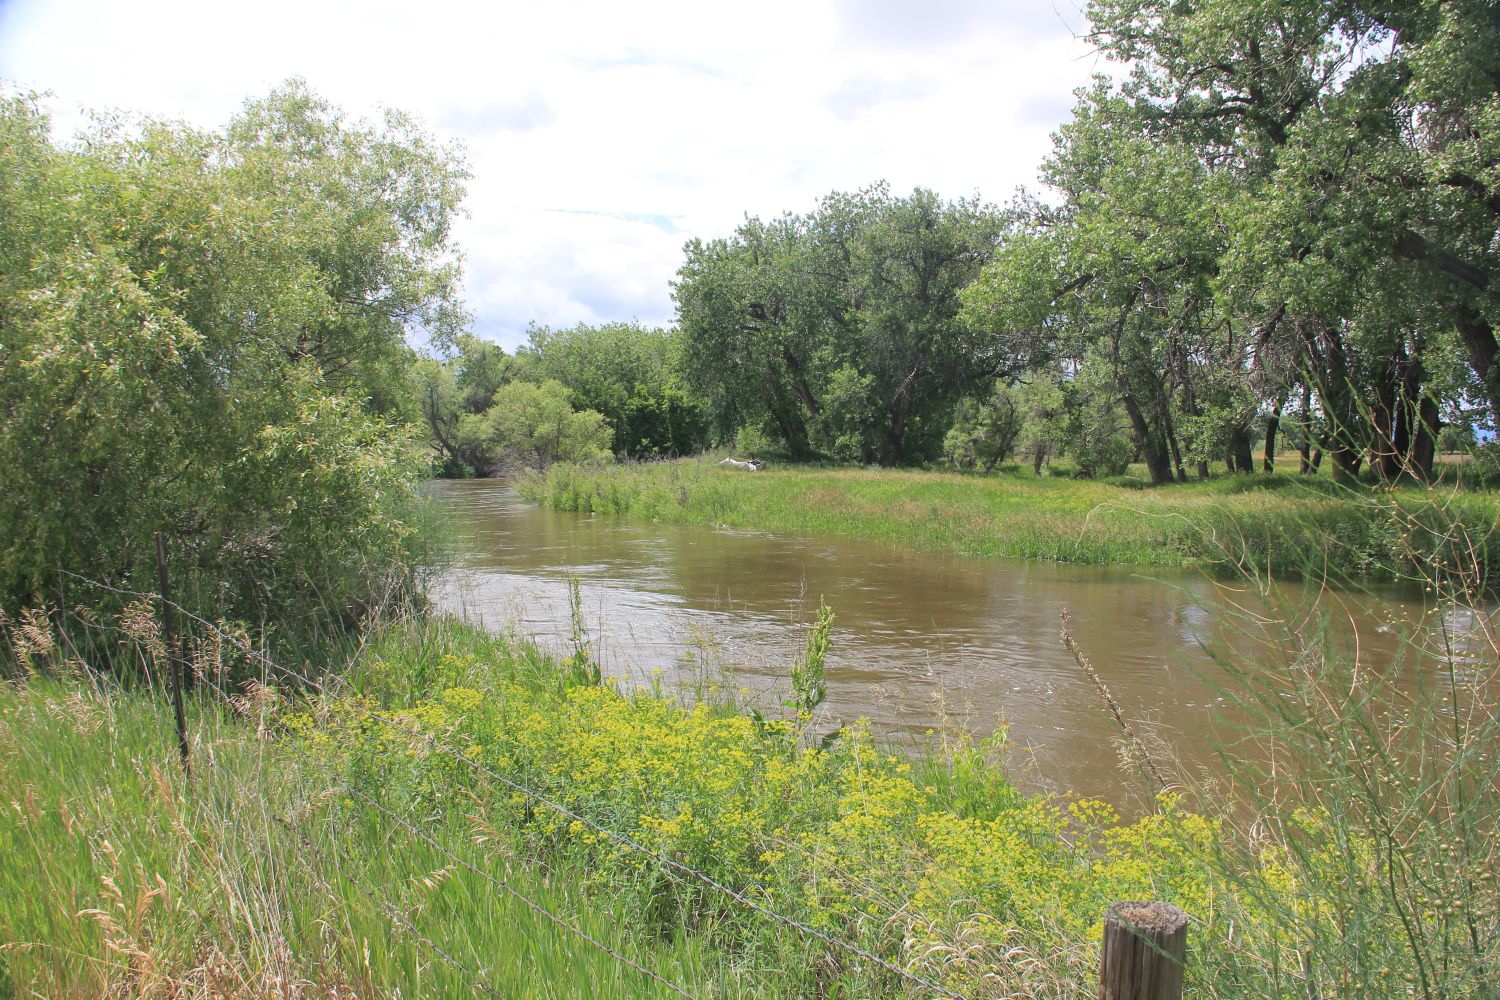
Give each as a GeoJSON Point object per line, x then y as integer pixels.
{"type": "Point", "coordinates": [205, 336]}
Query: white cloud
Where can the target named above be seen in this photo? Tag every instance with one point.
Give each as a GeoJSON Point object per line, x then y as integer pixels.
{"type": "Point", "coordinates": [602, 135]}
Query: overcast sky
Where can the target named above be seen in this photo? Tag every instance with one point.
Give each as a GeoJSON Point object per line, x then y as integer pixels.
{"type": "Point", "coordinates": [602, 135]}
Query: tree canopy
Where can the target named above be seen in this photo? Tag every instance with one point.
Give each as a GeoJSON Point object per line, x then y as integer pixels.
{"type": "Point", "coordinates": [839, 330]}
{"type": "Point", "coordinates": [204, 333]}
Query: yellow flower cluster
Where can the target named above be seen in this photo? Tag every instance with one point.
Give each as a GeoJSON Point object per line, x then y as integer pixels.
{"type": "Point", "coordinates": [845, 836]}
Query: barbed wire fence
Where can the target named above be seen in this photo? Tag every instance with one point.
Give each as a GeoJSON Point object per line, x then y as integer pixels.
{"type": "Point", "coordinates": [672, 868]}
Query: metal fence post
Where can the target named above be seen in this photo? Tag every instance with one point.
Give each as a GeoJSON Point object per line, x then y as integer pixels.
{"type": "Point", "coordinates": [169, 642]}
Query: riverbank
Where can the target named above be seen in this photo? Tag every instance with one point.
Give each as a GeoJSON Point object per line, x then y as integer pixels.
{"type": "Point", "coordinates": [464, 793]}
{"type": "Point", "coordinates": [1280, 523]}
{"type": "Point", "coordinates": [330, 847]}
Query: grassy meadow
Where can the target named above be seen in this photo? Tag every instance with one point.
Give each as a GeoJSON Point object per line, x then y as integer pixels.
{"type": "Point", "coordinates": [1259, 523]}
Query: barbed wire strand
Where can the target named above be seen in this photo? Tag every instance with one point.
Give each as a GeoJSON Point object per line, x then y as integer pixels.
{"type": "Point", "coordinates": [476, 978]}
{"type": "Point", "coordinates": [560, 809]}
{"type": "Point", "coordinates": [500, 883]}
{"type": "Point", "coordinates": [527, 900]}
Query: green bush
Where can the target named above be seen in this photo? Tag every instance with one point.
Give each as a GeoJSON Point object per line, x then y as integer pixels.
{"type": "Point", "coordinates": [204, 335]}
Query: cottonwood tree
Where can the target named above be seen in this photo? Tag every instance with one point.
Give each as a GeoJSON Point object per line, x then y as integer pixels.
{"type": "Point", "coordinates": [840, 329]}
{"type": "Point", "coordinates": [1365, 135]}
{"type": "Point", "coordinates": [1117, 277]}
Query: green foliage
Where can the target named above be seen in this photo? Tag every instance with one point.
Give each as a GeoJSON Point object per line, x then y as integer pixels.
{"type": "Point", "coordinates": [668, 421]}
{"type": "Point", "coordinates": [1043, 410]}
{"type": "Point", "coordinates": [853, 841]}
{"type": "Point", "coordinates": [1095, 430]}
{"type": "Point", "coordinates": [117, 877]}
{"type": "Point", "coordinates": [463, 384]}
{"type": "Point", "coordinates": [532, 426]}
{"type": "Point", "coordinates": [205, 336]}
{"type": "Point", "coordinates": [839, 330]}
{"type": "Point", "coordinates": [1457, 439]}
{"type": "Point", "coordinates": [1361, 869]}
{"type": "Point", "coordinates": [629, 374]}
{"type": "Point", "coordinates": [581, 667]}
{"type": "Point", "coordinates": [1273, 202]}
{"type": "Point", "coordinates": [809, 683]}
{"type": "Point", "coordinates": [751, 442]}
{"type": "Point", "coordinates": [984, 433]}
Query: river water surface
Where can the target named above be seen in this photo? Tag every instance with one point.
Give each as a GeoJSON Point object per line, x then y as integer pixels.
{"type": "Point", "coordinates": [920, 642]}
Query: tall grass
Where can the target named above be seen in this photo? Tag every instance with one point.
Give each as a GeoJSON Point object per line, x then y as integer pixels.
{"type": "Point", "coordinates": [1359, 849]}
{"type": "Point", "coordinates": [285, 869]}
{"type": "Point", "coordinates": [264, 877]}
{"type": "Point", "coordinates": [1278, 524]}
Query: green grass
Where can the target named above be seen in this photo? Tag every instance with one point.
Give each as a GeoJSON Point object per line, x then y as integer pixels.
{"type": "Point", "coordinates": [291, 865]}
{"type": "Point", "coordinates": [262, 877]}
{"type": "Point", "coordinates": [1277, 523]}
{"type": "Point", "coordinates": [272, 872]}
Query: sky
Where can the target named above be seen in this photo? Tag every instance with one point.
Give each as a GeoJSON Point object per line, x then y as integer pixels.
{"type": "Point", "coordinates": [601, 136]}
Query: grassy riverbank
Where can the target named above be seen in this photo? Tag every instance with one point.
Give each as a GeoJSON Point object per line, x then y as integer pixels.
{"type": "Point", "coordinates": [1283, 523]}
{"type": "Point", "coordinates": [381, 841]}
{"type": "Point", "coordinates": [320, 849]}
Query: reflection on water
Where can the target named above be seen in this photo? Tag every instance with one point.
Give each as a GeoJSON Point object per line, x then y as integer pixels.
{"type": "Point", "coordinates": [919, 641]}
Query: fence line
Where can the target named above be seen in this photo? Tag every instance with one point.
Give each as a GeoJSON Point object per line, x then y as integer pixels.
{"type": "Point", "coordinates": [391, 913]}
{"type": "Point", "coordinates": [395, 917]}
{"type": "Point", "coordinates": [560, 809]}
{"type": "Point", "coordinates": [502, 884]}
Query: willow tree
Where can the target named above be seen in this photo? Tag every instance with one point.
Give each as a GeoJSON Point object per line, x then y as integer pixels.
{"type": "Point", "coordinates": [205, 335]}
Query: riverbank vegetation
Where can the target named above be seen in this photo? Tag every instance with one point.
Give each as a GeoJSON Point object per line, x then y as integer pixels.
{"type": "Point", "coordinates": [1279, 233]}
{"type": "Point", "coordinates": [1281, 227]}
{"type": "Point", "coordinates": [381, 836]}
{"type": "Point", "coordinates": [1280, 524]}
{"type": "Point", "coordinates": [204, 335]}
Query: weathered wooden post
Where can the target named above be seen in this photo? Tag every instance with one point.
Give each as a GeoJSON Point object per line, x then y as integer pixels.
{"type": "Point", "coordinates": [169, 643]}
{"type": "Point", "coordinates": [1145, 948]}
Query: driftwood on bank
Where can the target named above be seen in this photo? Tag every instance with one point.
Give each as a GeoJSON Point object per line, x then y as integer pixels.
{"type": "Point", "coordinates": [753, 465]}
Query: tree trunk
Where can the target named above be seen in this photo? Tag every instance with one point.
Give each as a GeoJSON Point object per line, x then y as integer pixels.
{"type": "Point", "coordinates": [1424, 439]}
{"type": "Point", "coordinates": [1386, 454]}
{"type": "Point", "coordinates": [1039, 453]}
{"type": "Point", "coordinates": [1273, 423]}
{"type": "Point", "coordinates": [1346, 463]}
{"type": "Point", "coordinates": [1239, 457]}
{"type": "Point", "coordinates": [793, 428]}
{"type": "Point", "coordinates": [1149, 441]}
{"type": "Point", "coordinates": [1479, 341]}
{"type": "Point", "coordinates": [1341, 436]}
{"type": "Point", "coordinates": [1307, 468]}
{"type": "Point", "coordinates": [1176, 449]}
{"type": "Point", "coordinates": [1190, 407]}
{"type": "Point", "coordinates": [900, 410]}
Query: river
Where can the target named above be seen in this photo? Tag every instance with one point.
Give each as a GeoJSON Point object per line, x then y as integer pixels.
{"type": "Point", "coordinates": [920, 642]}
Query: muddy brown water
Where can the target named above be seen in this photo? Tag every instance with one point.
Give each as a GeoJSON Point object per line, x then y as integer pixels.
{"type": "Point", "coordinates": [920, 642]}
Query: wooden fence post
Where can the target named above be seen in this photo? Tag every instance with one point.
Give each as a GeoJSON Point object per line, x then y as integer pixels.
{"type": "Point", "coordinates": [1145, 947]}
{"type": "Point", "coordinates": [169, 642]}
